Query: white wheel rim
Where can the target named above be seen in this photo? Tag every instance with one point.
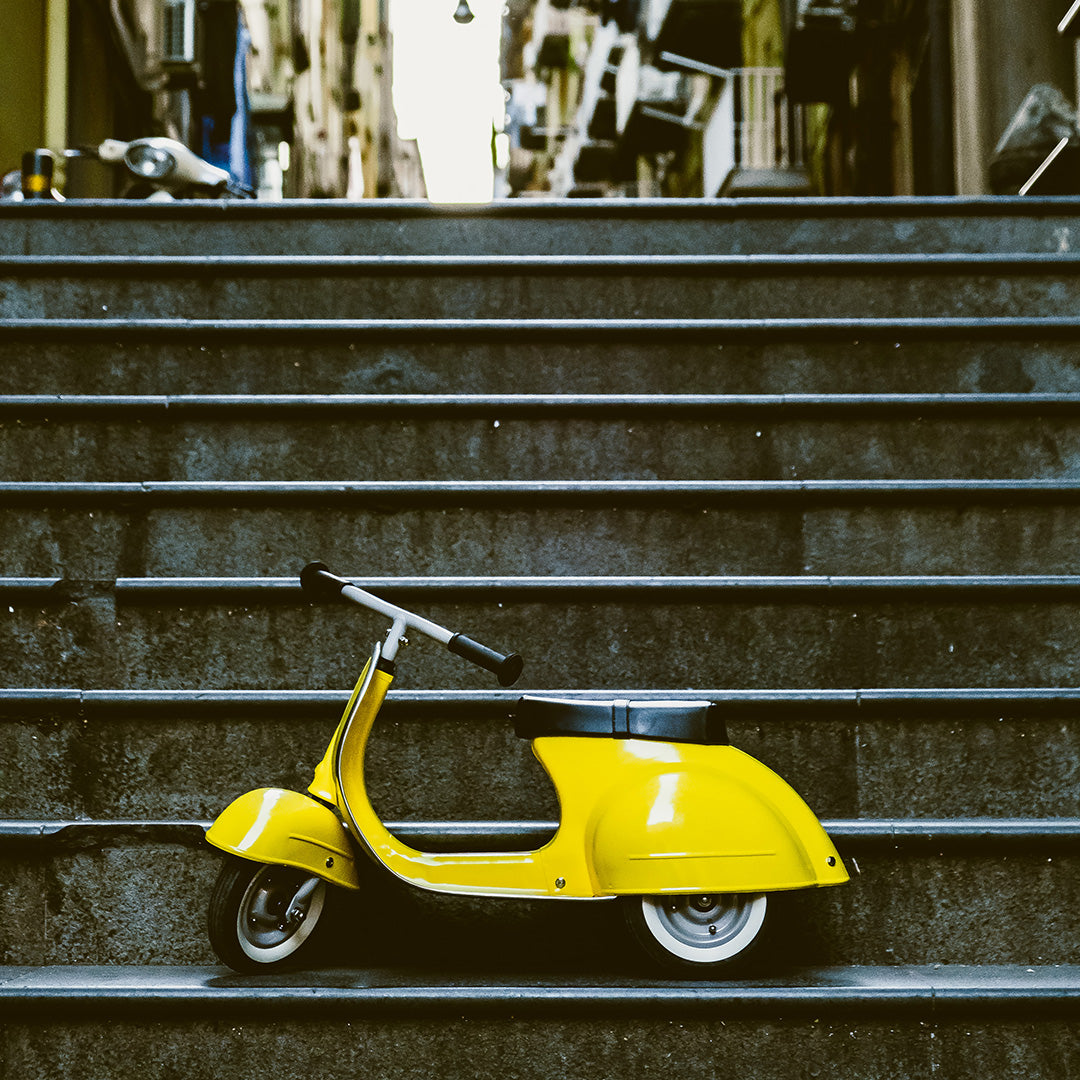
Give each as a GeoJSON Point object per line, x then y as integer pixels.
{"type": "Point", "coordinates": [704, 929]}
{"type": "Point", "coordinates": [264, 906]}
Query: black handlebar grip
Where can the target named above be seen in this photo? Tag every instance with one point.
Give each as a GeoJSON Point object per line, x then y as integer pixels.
{"type": "Point", "coordinates": [317, 586]}
{"type": "Point", "coordinates": [506, 667]}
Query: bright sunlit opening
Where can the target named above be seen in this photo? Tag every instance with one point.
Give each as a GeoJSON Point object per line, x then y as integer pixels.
{"type": "Point", "coordinates": [447, 93]}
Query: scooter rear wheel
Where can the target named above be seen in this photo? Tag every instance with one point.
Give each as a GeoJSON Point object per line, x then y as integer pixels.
{"type": "Point", "coordinates": [260, 915]}
{"type": "Point", "coordinates": [702, 933]}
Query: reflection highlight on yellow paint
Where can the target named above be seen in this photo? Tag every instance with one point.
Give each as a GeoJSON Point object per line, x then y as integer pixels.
{"type": "Point", "coordinates": [662, 811]}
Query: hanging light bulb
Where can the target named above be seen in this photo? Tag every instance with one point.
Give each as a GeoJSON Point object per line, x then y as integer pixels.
{"type": "Point", "coordinates": [463, 15]}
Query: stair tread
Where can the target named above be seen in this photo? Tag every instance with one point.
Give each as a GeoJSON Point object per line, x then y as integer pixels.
{"type": "Point", "coordinates": [779, 584]}
{"type": "Point", "coordinates": [801, 207]}
{"type": "Point", "coordinates": [940, 828]}
{"type": "Point", "coordinates": [165, 406]}
{"type": "Point", "coordinates": [763, 263]}
{"type": "Point", "coordinates": [127, 490]}
{"type": "Point", "coordinates": [884, 326]}
{"type": "Point", "coordinates": [864, 699]}
{"type": "Point", "coordinates": [131, 985]}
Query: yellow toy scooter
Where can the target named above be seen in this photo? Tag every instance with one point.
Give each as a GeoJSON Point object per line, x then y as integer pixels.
{"type": "Point", "coordinates": [656, 809]}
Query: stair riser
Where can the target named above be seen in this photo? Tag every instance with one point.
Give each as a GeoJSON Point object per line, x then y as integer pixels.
{"type": "Point", "coordinates": [143, 766]}
{"type": "Point", "coordinates": [145, 902]}
{"type": "Point", "coordinates": [562, 292]}
{"type": "Point", "coordinates": [233, 1044]}
{"type": "Point", "coordinates": [766, 447]}
{"type": "Point", "coordinates": [536, 364]}
{"type": "Point", "coordinates": [708, 228]}
{"type": "Point", "coordinates": [569, 643]}
{"type": "Point", "coordinates": [709, 539]}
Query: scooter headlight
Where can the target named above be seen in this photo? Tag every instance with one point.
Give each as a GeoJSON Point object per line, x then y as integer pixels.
{"type": "Point", "coordinates": [153, 162]}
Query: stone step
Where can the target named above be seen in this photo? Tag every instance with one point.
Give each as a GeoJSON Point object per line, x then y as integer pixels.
{"type": "Point", "coordinates": [600, 227]}
{"type": "Point", "coordinates": [105, 892]}
{"type": "Point", "coordinates": [745, 633]}
{"type": "Point", "coordinates": [958, 806]}
{"type": "Point", "coordinates": [638, 528]}
{"type": "Point", "coordinates": [495, 287]}
{"type": "Point", "coordinates": [205, 1024]}
{"type": "Point", "coordinates": [438, 754]}
{"type": "Point", "coordinates": [539, 437]}
{"type": "Point", "coordinates": [178, 356]}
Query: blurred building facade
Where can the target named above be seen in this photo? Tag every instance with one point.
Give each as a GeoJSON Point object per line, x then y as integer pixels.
{"type": "Point", "coordinates": [786, 97]}
{"type": "Point", "coordinates": [293, 96]}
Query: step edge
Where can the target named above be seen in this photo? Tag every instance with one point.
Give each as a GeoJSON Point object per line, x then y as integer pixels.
{"type": "Point", "coordinates": [886, 830]}
{"type": "Point", "coordinates": [983, 988]}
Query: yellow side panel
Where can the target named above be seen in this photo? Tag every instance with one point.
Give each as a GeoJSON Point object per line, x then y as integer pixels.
{"type": "Point", "coordinates": [272, 825]}
{"type": "Point", "coordinates": [685, 818]}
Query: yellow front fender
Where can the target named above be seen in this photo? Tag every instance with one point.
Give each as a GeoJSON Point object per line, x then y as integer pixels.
{"type": "Point", "coordinates": [272, 825]}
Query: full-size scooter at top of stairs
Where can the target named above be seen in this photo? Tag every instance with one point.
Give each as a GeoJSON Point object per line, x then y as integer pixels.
{"type": "Point", "coordinates": [657, 810]}
{"type": "Point", "coordinates": [155, 168]}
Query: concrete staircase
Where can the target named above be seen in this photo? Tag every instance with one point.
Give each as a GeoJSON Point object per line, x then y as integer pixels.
{"type": "Point", "coordinates": [819, 461]}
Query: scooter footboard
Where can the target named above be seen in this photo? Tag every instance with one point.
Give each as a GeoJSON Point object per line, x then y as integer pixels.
{"type": "Point", "coordinates": [286, 828]}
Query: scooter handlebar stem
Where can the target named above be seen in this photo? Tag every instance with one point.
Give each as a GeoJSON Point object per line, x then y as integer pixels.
{"type": "Point", "coordinates": [320, 583]}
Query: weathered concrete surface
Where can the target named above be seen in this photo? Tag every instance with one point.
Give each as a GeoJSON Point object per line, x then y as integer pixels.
{"type": "Point", "coordinates": [862, 288]}
{"type": "Point", "coordinates": [139, 899]}
{"type": "Point", "coordinates": [728, 644]}
{"type": "Point", "coordinates": [852, 1049]}
{"type": "Point", "coordinates": [143, 764]}
{"type": "Point", "coordinates": [527, 361]}
{"type": "Point", "coordinates": [609, 226]}
{"type": "Point", "coordinates": [142, 900]}
{"type": "Point", "coordinates": [140, 895]}
{"type": "Point", "coordinates": [769, 446]}
{"type": "Point", "coordinates": [142, 767]}
{"type": "Point", "coordinates": [783, 537]}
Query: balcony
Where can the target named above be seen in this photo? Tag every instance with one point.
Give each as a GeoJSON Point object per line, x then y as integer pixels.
{"type": "Point", "coordinates": [553, 28]}
{"type": "Point", "coordinates": [596, 115]}
{"type": "Point", "coordinates": [754, 141]}
{"type": "Point", "coordinates": [652, 107]}
{"type": "Point", "coordinates": [821, 50]}
{"type": "Point", "coordinates": [706, 30]}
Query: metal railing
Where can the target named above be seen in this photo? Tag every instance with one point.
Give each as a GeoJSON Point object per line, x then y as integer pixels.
{"type": "Point", "coordinates": [769, 131]}
{"type": "Point", "coordinates": [753, 127]}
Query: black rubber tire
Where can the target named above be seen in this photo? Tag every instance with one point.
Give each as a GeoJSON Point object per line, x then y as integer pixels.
{"type": "Point", "coordinates": [713, 936]}
{"type": "Point", "coordinates": [246, 891]}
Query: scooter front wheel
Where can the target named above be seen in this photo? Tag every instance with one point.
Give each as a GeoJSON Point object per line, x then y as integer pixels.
{"type": "Point", "coordinates": [702, 933]}
{"type": "Point", "coordinates": [261, 915]}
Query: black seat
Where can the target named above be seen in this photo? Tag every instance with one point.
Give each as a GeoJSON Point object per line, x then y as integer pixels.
{"type": "Point", "coordinates": [672, 721]}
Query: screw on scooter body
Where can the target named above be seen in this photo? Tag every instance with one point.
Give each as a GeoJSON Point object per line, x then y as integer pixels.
{"type": "Point", "coordinates": [657, 812]}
